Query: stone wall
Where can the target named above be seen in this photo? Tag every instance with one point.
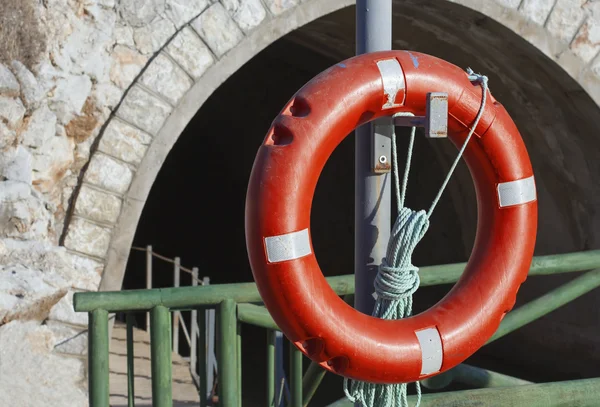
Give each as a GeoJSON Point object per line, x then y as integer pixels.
{"type": "Point", "coordinates": [92, 96]}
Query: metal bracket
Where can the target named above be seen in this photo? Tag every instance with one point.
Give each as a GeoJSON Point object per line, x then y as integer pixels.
{"type": "Point", "coordinates": [435, 123]}
{"type": "Point", "coordinates": [435, 120]}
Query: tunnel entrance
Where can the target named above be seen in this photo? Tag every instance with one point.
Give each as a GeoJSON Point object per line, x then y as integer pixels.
{"type": "Point", "coordinates": [196, 206]}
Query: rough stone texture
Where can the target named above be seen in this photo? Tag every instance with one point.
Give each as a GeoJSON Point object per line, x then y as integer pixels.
{"type": "Point", "coordinates": [246, 13]}
{"type": "Point", "coordinates": [11, 111]}
{"type": "Point", "coordinates": [15, 165]}
{"type": "Point", "coordinates": [30, 88]}
{"type": "Point", "coordinates": [279, 6]}
{"type": "Point", "coordinates": [166, 78]}
{"type": "Point", "coordinates": [126, 64]}
{"type": "Point", "coordinates": [69, 96]}
{"type": "Point", "coordinates": [97, 205]}
{"type": "Point", "coordinates": [587, 41]}
{"type": "Point", "coordinates": [9, 86]}
{"type": "Point", "coordinates": [144, 110]}
{"type": "Point", "coordinates": [41, 127]}
{"type": "Point", "coordinates": [509, 3]}
{"type": "Point", "coordinates": [63, 311]}
{"type": "Point", "coordinates": [181, 12]}
{"type": "Point", "coordinates": [124, 142]}
{"type": "Point", "coordinates": [108, 173]}
{"type": "Point", "coordinates": [28, 294]}
{"type": "Point", "coordinates": [537, 10]}
{"type": "Point", "coordinates": [149, 38]}
{"type": "Point", "coordinates": [31, 372]}
{"type": "Point", "coordinates": [188, 50]}
{"type": "Point", "coordinates": [217, 29]}
{"type": "Point", "coordinates": [22, 212]}
{"type": "Point", "coordinates": [88, 238]}
{"type": "Point", "coordinates": [79, 272]}
{"type": "Point", "coordinates": [565, 19]}
{"type": "Point", "coordinates": [68, 339]}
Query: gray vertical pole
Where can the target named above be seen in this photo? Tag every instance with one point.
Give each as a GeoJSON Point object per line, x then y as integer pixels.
{"type": "Point", "coordinates": [372, 191]}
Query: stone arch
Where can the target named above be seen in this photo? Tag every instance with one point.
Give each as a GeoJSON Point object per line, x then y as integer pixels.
{"type": "Point", "coordinates": [175, 82]}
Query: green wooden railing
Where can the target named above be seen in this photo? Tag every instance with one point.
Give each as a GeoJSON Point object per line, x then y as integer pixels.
{"type": "Point", "coordinates": [240, 303]}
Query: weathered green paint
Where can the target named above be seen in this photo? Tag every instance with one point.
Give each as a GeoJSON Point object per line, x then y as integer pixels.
{"type": "Point", "coordinates": [130, 356]}
{"type": "Point", "coordinates": [98, 361]}
{"type": "Point", "coordinates": [256, 315]}
{"type": "Point", "coordinates": [183, 297]}
{"type": "Point", "coordinates": [547, 303]}
{"type": "Point", "coordinates": [580, 393]}
{"type": "Point", "coordinates": [228, 393]}
{"type": "Point", "coordinates": [270, 368]}
{"type": "Point", "coordinates": [160, 354]}
{"type": "Point", "coordinates": [311, 381]}
{"type": "Point", "coordinates": [472, 376]}
{"type": "Point", "coordinates": [238, 350]}
{"type": "Point", "coordinates": [295, 376]}
{"type": "Point", "coordinates": [201, 355]}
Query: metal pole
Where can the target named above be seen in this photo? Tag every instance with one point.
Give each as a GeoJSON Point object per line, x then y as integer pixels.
{"type": "Point", "coordinates": [372, 190]}
{"type": "Point", "coordinates": [148, 279]}
{"type": "Point", "coordinates": [130, 360]}
{"type": "Point", "coordinates": [98, 359]}
{"type": "Point", "coordinates": [194, 335]}
{"type": "Point", "coordinates": [175, 316]}
{"type": "Point", "coordinates": [160, 357]}
{"type": "Point", "coordinates": [228, 394]}
{"type": "Point", "coordinates": [271, 369]}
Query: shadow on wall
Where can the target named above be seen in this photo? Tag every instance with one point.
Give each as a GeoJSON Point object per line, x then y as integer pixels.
{"type": "Point", "coordinates": [196, 207]}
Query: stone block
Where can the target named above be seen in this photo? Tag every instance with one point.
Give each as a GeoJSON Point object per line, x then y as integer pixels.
{"type": "Point", "coordinates": [126, 64]}
{"type": "Point", "coordinates": [9, 86]}
{"type": "Point", "coordinates": [167, 79]}
{"type": "Point", "coordinates": [16, 164]}
{"type": "Point", "coordinates": [32, 373]}
{"type": "Point", "coordinates": [11, 111]}
{"type": "Point", "coordinates": [217, 29]}
{"type": "Point", "coordinates": [190, 52]}
{"type": "Point", "coordinates": [181, 12]}
{"type": "Point", "coordinates": [537, 10]}
{"type": "Point", "coordinates": [64, 311]}
{"type": "Point", "coordinates": [69, 96]}
{"type": "Point", "coordinates": [41, 127]}
{"type": "Point", "coordinates": [27, 293]}
{"type": "Point", "coordinates": [565, 19]}
{"type": "Point", "coordinates": [144, 110]}
{"type": "Point", "coordinates": [587, 41]}
{"type": "Point", "coordinates": [151, 37]}
{"type": "Point", "coordinates": [509, 3]}
{"type": "Point", "coordinates": [108, 173]}
{"type": "Point", "coordinates": [246, 13]}
{"type": "Point", "coordinates": [97, 205]}
{"type": "Point", "coordinates": [30, 88]}
{"type": "Point", "coordinates": [124, 142]}
{"type": "Point", "coordinates": [51, 162]}
{"type": "Point", "coordinates": [88, 238]}
{"type": "Point", "coordinates": [68, 339]}
{"type": "Point", "coordinates": [279, 6]}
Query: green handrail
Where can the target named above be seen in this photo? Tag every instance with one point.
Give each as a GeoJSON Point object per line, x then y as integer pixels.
{"type": "Point", "coordinates": [186, 297]}
{"type": "Point", "coordinates": [241, 303]}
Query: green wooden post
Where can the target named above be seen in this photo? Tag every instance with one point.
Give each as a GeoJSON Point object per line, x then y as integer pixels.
{"type": "Point", "coordinates": [160, 352]}
{"type": "Point", "coordinates": [130, 358]}
{"type": "Point", "coordinates": [228, 394]}
{"type": "Point", "coordinates": [311, 381]}
{"type": "Point", "coordinates": [270, 368]}
{"type": "Point", "coordinates": [201, 368]}
{"type": "Point", "coordinates": [295, 376]}
{"type": "Point", "coordinates": [98, 359]}
{"type": "Point", "coordinates": [239, 362]}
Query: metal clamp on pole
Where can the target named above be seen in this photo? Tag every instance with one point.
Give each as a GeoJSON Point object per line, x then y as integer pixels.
{"type": "Point", "coordinates": [435, 120]}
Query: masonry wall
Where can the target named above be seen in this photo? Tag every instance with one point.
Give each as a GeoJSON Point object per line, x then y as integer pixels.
{"type": "Point", "coordinates": [86, 90]}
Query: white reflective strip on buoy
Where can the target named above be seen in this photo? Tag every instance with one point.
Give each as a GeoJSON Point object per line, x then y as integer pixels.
{"type": "Point", "coordinates": [393, 80]}
{"type": "Point", "coordinates": [516, 192]}
{"type": "Point", "coordinates": [288, 247]}
{"type": "Point", "coordinates": [431, 350]}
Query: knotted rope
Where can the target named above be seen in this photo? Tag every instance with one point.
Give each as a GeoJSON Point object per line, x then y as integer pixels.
{"type": "Point", "coordinates": [398, 279]}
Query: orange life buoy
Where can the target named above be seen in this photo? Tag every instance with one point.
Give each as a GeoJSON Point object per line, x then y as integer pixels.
{"type": "Point", "coordinates": [278, 204]}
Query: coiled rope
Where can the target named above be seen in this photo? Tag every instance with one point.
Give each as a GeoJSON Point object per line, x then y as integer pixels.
{"type": "Point", "coordinates": [398, 279]}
